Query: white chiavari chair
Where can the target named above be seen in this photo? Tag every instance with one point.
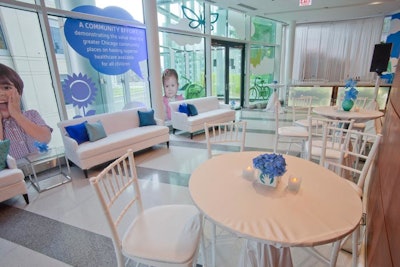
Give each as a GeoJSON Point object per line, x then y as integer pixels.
{"type": "Point", "coordinates": [290, 135]}
{"type": "Point", "coordinates": [167, 235]}
{"type": "Point", "coordinates": [222, 134]}
{"type": "Point", "coordinates": [360, 154]}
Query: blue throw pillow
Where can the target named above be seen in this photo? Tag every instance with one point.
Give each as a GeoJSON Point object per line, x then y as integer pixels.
{"type": "Point", "coordinates": [78, 132]}
{"type": "Point", "coordinates": [4, 148]}
{"type": "Point", "coordinates": [183, 108]}
{"type": "Point", "coordinates": [146, 118]}
{"type": "Point", "coordinates": [192, 110]}
{"type": "Point", "coordinates": [95, 131]}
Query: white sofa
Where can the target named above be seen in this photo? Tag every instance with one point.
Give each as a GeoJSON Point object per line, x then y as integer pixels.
{"type": "Point", "coordinates": [209, 110]}
{"type": "Point", "coordinates": [12, 181]}
{"type": "Point", "coordinates": [123, 133]}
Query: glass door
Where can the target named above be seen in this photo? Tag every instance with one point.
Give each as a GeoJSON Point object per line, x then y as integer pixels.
{"type": "Point", "coordinates": [228, 72]}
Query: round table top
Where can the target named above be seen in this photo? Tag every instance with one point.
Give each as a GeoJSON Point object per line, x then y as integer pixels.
{"type": "Point", "coordinates": [361, 115]}
{"type": "Point", "coordinates": [325, 209]}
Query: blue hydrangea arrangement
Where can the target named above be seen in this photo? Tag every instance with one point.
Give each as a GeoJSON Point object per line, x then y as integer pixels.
{"type": "Point", "coordinates": [351, 92]}
{"type": "Point", "coordinates": [42, 147]}
{"type": "Point", "coordinates": [271, 166]}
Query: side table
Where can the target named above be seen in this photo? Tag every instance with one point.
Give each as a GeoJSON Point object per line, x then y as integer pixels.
{"type": "Point", "coordinates": [54, 177]}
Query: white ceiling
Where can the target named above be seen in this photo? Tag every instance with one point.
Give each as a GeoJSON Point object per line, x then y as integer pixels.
{"type": "Point", "coordinates": [320, 10]}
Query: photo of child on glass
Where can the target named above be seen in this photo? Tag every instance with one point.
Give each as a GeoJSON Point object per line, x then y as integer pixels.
{"type": "Point", "coordinates": [24, 129]}
{"type": "Point", "coordinates": [170, 83]}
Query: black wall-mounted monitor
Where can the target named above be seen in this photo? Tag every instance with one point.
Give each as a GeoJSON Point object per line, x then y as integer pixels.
{"type": "Point", "coordinates": [380, 59]}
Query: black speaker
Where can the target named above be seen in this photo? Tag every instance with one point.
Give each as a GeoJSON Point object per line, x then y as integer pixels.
{"type": "Point", "coordinates": [380, 59]}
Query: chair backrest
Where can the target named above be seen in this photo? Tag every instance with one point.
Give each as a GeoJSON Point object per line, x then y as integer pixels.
{"type": "Point", "coordinates": [114, 187]}
{"type": "Point", "coordinates": [224, 133]}
{"type": "Point", "coordinates": [331, 130]}
{"type": "Point", "coordinates": [276, 115]}
{"type": "Point", "coordinates": [360, 102]}
{"type": "Point", "coordinates": [359, 154]}
{"type": "Point", "coordinates": [301, 106]}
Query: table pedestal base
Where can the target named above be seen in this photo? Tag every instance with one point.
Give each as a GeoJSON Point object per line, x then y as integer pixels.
{"type": "Point", "coordinates": [256, 254]}
{"type": "Point", "coordinates": [273, 104]}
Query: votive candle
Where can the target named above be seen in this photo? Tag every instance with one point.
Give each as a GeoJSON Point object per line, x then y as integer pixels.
{"type": "Point", "coordinates": [294, 183]}
{"type": "Point", "coordinates": [248, 172]}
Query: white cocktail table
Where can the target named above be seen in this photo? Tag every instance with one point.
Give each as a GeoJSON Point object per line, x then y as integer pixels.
{"type": "Point", "coordinates": [334, 113]}
{"type": "Point", "coordinates": [324, 210]}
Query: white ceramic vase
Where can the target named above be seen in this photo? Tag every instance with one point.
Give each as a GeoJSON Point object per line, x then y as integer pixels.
{"type": "Point", "coordinates": [264, 179]}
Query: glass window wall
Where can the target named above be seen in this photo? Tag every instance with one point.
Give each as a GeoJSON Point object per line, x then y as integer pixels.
{"type": "Point", "coordinates": [3, 44]}
{"type": "Point", "coordinates": [185, 20]}
{"type": "Point", "coordinates": [321, 94]}
{"type": "Point", "coordinates": [82, 49]}
{"type": "Point", "coordinates": [132, 7]}
{"type": "Point", "coordinates": [227, 23]}
{"type": "Point", "coordinates": [263, 30]}
{"type": "Point", "coordinates": [28, 57]}
{"type": "Point", "coordinates": [368, 92]}
{"type": "Point", "coordinates": [185, 15]}
{"type": "Point", "coordinates": [185, 54]}
{"type": "Point", "coordinates": [262, 72]}
{"type": "Point", "coordinates": [103, 67]}
{"type": "Point", "coordinates": [83, 88]}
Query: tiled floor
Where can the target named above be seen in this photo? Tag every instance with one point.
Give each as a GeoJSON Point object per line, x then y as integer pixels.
{"type": "Point", "coordinates": [72, 208]}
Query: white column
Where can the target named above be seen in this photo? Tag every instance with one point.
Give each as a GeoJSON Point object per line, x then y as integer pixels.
{"type": "Point", "coordinates": [288, 59]}
{"type": "Point", "coordinates": [153, 51]}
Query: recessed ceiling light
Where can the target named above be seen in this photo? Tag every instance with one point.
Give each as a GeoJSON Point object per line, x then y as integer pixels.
{"type": "Point", "coordinates": [375, 3]}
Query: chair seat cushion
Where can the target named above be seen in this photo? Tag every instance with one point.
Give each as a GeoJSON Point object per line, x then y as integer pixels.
{"type": "Point", "coordinates": [330, 153]}
{"type": "Point", "coordinates": [359, 126]}
{"type": "Point", "coordinates": [329, 144]}
{"type": "Point", "coordinates": [305, 123]}
{"type": "Point", "coordinates": [168, 233]}
{"type": "Point", "coordinates": [295, 131]}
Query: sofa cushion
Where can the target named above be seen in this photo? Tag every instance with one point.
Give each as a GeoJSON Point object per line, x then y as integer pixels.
{"type": "Point", "coordinates": [210, 116]}
{"type": "Point", "coordinates": [10, 177]}
{"type": "Point", "coordinates": [95, 131]}
{"type": "Point", "coordinates": [78, 132]}
{"type": "Point", "coordinates": [183, 108]}
{"type": "Point", "coordinates": [192, 110]}
{"type": "Point", "coordinates": [188, 109]}
{"type": "Point", "coordinates": [119, 140]}
{"type": "Point", "coordinates": [4, 148]}
{"type": "Point", "coordinates": [205, 104]}
{"type": "Point", "coordinates": [146, 118]}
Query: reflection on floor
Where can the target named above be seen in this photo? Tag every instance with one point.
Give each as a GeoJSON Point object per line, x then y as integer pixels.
{"type": "Point", "coordinates": [64, 226]}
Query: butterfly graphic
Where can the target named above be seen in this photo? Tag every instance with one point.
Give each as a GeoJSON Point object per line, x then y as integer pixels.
{"type": "Point", "coordinates": [198, 20]}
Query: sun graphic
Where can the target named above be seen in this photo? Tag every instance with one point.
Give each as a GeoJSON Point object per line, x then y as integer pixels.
{"type": "Point", "coordinates": [79, 90]}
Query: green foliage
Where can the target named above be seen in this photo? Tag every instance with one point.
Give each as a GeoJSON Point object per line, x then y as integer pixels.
{"type": "Point", "coordinates": [264, 30]}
